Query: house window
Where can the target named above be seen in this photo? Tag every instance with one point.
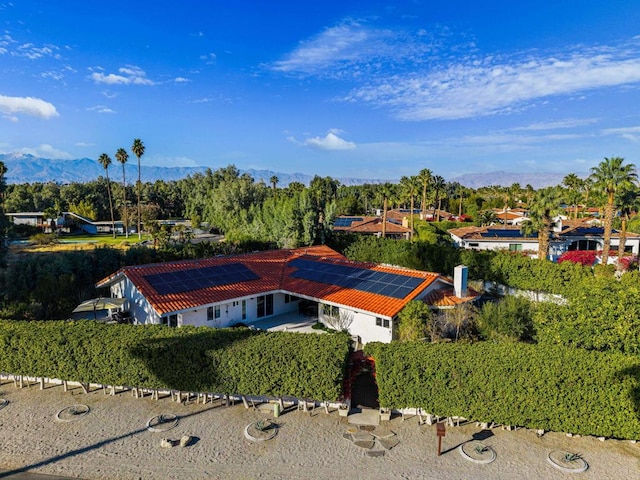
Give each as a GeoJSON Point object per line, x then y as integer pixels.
{"type": "Point", "coordinates": [385, 323]}
{"type": "Point", "coordinates": [290, 298]}
{"type": "Point", "coordinates": [264, 306]}
{"type": "Point", "coordinates": [473, 244]}
{"type": "Point", "coordinates": [171, 320]}
{"type": "Point", "coordinates": [330, 311]}
{"type": "Point", "coordinates": [244, 309]}
{"type": "Point", "coordinates": [378, 322]}
{"type": "Point", "coordinates": [216, 311]}
{"type": "Point", "coordinates": [209, 314]}
{"type": "Point", "coordinates": [515, 247]}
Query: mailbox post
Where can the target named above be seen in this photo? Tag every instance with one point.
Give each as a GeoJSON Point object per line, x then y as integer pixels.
{"type": "Point", "coordinates": [440, 432]}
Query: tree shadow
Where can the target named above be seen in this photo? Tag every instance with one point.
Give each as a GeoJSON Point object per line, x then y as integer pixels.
{"type": "Point", "coordinates": [634, 393]}
{"type": "Point", "coordinates": [80, 451]}
{"type": "Point", "coordinates": [478, 436]}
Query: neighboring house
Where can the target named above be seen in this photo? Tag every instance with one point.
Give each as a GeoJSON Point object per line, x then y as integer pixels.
{"type": "Point", "coordinates": [67, 221]}
{"type": "Point", "coordinates": [510, 216]}
{"type": "Point", "coordinates": [372, 225]}
{"type": "Point", "coordinates": [568, 235]}
{"type": "Point", "coordinates": [241, 289]}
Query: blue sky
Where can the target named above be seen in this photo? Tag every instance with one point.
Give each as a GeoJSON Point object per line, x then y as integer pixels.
{"type": "Point", "coordinates": [362, 89]}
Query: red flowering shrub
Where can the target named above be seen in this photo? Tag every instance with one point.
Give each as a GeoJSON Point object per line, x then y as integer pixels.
{"type": "Point", "coordinates": [583, 257]}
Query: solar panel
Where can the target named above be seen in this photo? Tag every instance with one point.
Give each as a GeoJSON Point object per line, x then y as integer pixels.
{"type": "Point", "coordinates": [382, 283]}
{"type": "Point", "coordinates": [196, 278]}
{"type": "Point", "coordinates": [346, 221]}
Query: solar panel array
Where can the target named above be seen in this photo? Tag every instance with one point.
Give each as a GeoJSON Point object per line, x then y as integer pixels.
{"type": "Point", "coordinates": [346, 221]}
{"type": "Point", "coordinates": [580, 231]}
{"type": "Point", "coordinates": [388, 284]}
{"type": "Point", "coordinates": [497, 233]}
{"type": "Point", "coordinates": [197, 278]}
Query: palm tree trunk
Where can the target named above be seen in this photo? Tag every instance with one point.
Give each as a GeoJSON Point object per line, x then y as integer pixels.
{"type": "Point", "coordinates": [623, 239]}
{"type": "Point", "coordinates": [113, 223]}
{"type": "Point", "coordinates": [124, 197]}
{"type": "Point", "coordinates": [412, 219]}
{"type": "Point", "coordinates": [608, 221]}
{"type": "Point", "coordinates": [384, 218]}
{"type": "Point", "coordinates": [139, 211]}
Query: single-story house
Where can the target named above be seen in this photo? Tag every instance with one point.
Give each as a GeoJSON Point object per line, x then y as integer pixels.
{"type": "Point", "coordinates": [224, 291]}
{"type": "Point", "coordinates": [568, 235]}
{"type": "Point", "coordinates": [372, 225]}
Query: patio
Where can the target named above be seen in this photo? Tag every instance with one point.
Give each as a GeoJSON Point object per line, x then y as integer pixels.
{"type": "Point", "coordinates": [287, 322]}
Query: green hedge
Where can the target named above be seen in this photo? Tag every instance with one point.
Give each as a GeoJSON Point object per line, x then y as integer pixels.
{"type": "Point", "coordinates": [544, 387]}
{"type": "Point", "coordinates": [187, 358]}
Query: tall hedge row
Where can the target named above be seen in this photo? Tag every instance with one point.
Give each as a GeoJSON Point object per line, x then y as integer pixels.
{"type": "Point", "coordinates": [536, 386]}
{"type": "Point", "coordinates": [187, 358]}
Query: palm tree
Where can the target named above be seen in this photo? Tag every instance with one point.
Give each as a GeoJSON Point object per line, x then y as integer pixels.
{"type": "Point", "coordinates": [573, 184]}
{"type": "Point", "coordinates": [409, 186]}
{"type": "Point", "coordinates": [3, 183]}
{"type": "Point", "coordinates": [387, 192]}
{"type": "Point", "coordinates": [138, 150]}
{"type": "Point", "coordinates": [487, 217]}
{"type": "Point", "coordinates": [274, 182]}
{"type": "Point", "coordinates": [437, 183]}
{"type": "Point", "coordinates": [627, 201]}
{"type": "Point", "coordinates": [105, 161]}
{"type": "Point", "coordinates": [611, 176]}
{"type": "Point", "coordinates": [122, 156]}
{"type": "Point", "coordinates": [424, 177]}
{"type": "Point", "coordinates": [545, 205]}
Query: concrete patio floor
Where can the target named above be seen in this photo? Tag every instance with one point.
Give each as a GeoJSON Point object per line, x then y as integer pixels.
{"type": "Point", "coordinates": [287, 322]}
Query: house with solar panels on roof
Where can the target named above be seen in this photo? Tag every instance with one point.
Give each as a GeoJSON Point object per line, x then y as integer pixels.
{"type": "Point", "coordinates": [373, 225]}
{"type": "Point", "coordinates": [568, 235]}
{"type": "Point", "coordinates": [281, 289]}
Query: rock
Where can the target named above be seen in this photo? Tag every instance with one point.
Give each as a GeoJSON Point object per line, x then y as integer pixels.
{"type": "Point", "coordinates": [167, 443]}
{"type": "Point", "coordinates": [376, 453]}
{"type": "Point", "coordinates": [185, 441]}
{"type": "Point", "coordinates": [601, 439]}
{"type": "Point", "coordinates": [388, 443]}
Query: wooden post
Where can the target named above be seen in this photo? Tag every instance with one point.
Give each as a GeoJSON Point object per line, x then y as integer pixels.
{"type": "Point", "coordinates": [440, 432]}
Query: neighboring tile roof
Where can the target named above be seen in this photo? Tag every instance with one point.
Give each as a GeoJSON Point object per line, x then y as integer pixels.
{"type": "Point", "coordinates": [274, 273]}
{"type": "Point", "coordinates": [371, 224]}
{"type": "Point", "coordinates": [492, 233]}
{"type": "Point", "coordinates": [445, 297]}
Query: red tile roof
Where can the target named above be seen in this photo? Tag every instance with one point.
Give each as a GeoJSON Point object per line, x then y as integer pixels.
{"type": "Point", "coordinates": [274, 272]}
{"type": "Point", "coordinates": [372, 225]}
{"type": "Point", "coordinates": [446, 297]}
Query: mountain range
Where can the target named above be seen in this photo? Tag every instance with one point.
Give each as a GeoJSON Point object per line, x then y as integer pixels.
{"type": "Point", "coordinates": [26, 168]}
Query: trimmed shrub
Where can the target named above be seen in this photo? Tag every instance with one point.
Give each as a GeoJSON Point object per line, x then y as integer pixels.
{"type": "Point", "coordinates": [536, 386]}
{"type": "Point", "coordinates": [187, 358]}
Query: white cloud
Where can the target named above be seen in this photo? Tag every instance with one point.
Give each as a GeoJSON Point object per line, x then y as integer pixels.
{"type": "Point", "coordinates": [491, 86]}
{"type": "Point", "coordinates": [628, 133]}
{"type": "Point", "coordinates": [101, 109]}
{"type": "Point", "coordinates": [209, 58]}
{"type": "Point", "coordinates": [329, 142]}
{"type": "Point", "coordinates": [46, 151]}
{"type": "Point", "coordinates": [84, 144]}
{"type": "Point", "coordinates": [569, 123]}
{"type": "Point", "coordinates": [127, 75]}
{"type": "Point", "coordinates": [181, 80]}
{"type": "Point", "coordinates": [35, 107]}
{"type": "Point", "coordinates": [357, 49]}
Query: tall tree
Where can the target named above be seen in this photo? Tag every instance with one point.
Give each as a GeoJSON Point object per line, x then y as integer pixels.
{"type": "Point", "coordinates": [573, 184]}
{"type": "Point", "coordinates": [409, 187]}
{"type": "Point", "coordinates": [122, 156]}
{"type": "Point", "coordinates": [274, 182]}
{"type": "Point", "coordinates": [626, 200]}
{"type": "Point", "coordinates": [437, 183]}
{"type": "Point", "coordinates": [138, 150]}
{"type": "Point", "coordinates": [387, 192]}
{"type": "Point", "coordinates": [424, 176]}
{"type": "Point", "coordinates": [105, 161]}
{"type": "Point", "coordinates": [545, 205]}
{"type": "Point", "coordinates": [609, 177]}
{"type": "Point", "coordinates": [4, 223]}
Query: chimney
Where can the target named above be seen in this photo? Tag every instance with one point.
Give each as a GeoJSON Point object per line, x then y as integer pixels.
{"type": "Point", "coordinates": [460, 281]}
{"type": "Point", "coordinates": [405, 222]}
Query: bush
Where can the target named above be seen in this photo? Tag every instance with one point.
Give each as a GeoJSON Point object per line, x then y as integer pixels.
{"type": "Point", "coordinates": [188, 358]}
{"type": "Point", "coordinates": [42, 239]}
{"type": "Point", "coordinates": [543, 387]}
{"type": "Point", "coordinates": [507, 319]}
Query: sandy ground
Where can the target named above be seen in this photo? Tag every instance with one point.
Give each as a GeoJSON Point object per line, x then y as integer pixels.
{"type": "Point", "coordinates": [112, 442]}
